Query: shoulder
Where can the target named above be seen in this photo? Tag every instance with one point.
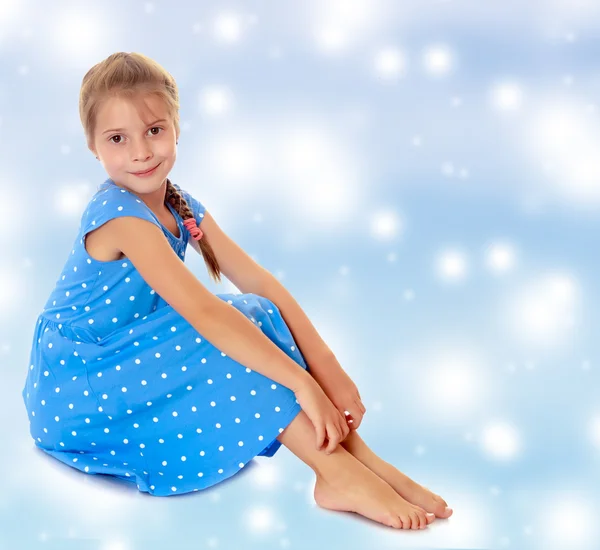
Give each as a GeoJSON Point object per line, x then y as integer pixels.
{"type": "Point", "coordinates": [110, 202]}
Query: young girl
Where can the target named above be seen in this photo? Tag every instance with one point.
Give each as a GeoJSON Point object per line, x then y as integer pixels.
{"type": "Point", "coordinates": [137, 371]}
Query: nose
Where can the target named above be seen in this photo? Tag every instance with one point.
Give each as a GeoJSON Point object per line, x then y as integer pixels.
{"type": "Point", "coordinates": [141, 152]}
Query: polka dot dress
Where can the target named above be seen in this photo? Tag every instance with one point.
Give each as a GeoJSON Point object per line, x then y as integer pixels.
{"type": "Point", "coordinates": [120, 384]}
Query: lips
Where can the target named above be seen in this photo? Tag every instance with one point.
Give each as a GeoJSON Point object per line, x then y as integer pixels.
{"type": "Point", "coordinates": [145, 171]}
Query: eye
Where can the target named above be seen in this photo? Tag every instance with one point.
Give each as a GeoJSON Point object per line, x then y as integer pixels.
{"type": "Point", "coordinates": [119, 135]}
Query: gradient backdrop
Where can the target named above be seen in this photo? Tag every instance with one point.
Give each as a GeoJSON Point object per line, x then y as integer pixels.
{"type": "Point", "coordinates": [423, 176]}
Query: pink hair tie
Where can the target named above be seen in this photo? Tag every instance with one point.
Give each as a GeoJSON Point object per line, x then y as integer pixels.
{"type": "Point", "coordinates": [193, 228]}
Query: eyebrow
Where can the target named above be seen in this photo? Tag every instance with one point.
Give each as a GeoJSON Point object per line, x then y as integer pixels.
{"type": "Point", "coordinates": [123, 129]}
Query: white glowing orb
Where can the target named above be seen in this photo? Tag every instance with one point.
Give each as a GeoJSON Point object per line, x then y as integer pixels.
{"type": "Point", "coordinates": [563, 141]}
{"type": "Point", "coordinates": [390, 63]}
{"type": "Point", "coordinates": [331, 39]}
{"type": "Point", "coordinates": [9, 9]}
{"type": "Point", "coordinates": [385, 225]}
{"type": "Point", "coordinates": [447, 169]}
{"type": "Point", "coordinates": [10, 218]}
{"type": "Point", "coordinates": [71, 199]}
{"type": "Point", "coordinates": [339, 24]}
{"type": "Point", "coordinates": [507, 96]}
{"type": "Point", "coordinates": [568, 522]}
{"type": "Point", "coordinates": [260, 519]}
{"type": "Point", "coordinates": [265, 475]}
{"type": "Point", "coordinates": [12, 289]}
{"type": "Point", "coordinates": [500, 257]}
{"type": "Point", "coordinates": [595, 431]}
{"type": "Point", "coordinates": [320, 174]}
{"type": "Point", "coordinates": [453, 383]}
{"type": "Point", "coordinates": [228, 27]}
{"type": "Point", "coordinates": [216, 100]}
{"type": "Point", "coordinates": [85, 28]}
{"type": "Point", "coordinates": [438, 60]}
{"type": "Point", "coordinates": [452, 265]}
{"type": "Point", "coordinates": [500, 440]}
{"type": "Point", "coordinates": [544, 311]}
{"type": "Point", "coordinates": [236, 159]}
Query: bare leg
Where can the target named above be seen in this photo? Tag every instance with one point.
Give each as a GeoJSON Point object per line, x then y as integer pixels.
{"type": "Point", "coordinates": [345, 484]}
{"type": "Point", "coordinates": [402, 484]}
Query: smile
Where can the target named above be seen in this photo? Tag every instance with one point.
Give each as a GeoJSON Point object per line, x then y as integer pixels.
{"type": "Point", "coordinates": [147, 173]}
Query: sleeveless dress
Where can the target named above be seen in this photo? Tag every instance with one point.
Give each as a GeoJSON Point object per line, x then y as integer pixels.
{"type": "Point", "coordinates": [120, 384]}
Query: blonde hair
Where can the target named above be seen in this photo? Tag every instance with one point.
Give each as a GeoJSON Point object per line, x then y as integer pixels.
{"type": "Point", "coordinates": [133, 76]}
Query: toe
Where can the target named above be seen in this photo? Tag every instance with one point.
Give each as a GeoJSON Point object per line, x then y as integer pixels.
{"type": "Point", "coordinates": [440, 508]}
{"type": "Point", "coordinates": [429, 517]}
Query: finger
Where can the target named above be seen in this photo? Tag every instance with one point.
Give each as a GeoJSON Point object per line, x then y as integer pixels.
{"type": "Point", "coordinates": [342, 427]}
{"type": "Point", "coordinates": [346, 431]}
{"type": "Point", "coordinates": [358, 419]}
{"type": "Point", "coordinates": [320, 429]}
{"type": "Point", "coordinates": [334, 438]}
{"type": "Point", "coordinates": [361, 407]}
{"type": "Point", "coordinates": [354, 423]}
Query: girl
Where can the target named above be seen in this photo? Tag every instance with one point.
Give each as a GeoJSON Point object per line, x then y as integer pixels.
{"type": "Point", "coordinates": [137, 371]}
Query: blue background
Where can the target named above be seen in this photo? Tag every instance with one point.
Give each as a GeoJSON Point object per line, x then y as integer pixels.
{"type": "Point", "coordinates": [422, 176]}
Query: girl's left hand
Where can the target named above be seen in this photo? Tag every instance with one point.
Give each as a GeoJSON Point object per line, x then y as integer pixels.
{"type": "Point", "coordinates": [341, 390]}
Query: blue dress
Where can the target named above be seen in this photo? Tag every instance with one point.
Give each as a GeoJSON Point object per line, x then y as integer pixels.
{"type": "Point", "coordinates": [119, 383]}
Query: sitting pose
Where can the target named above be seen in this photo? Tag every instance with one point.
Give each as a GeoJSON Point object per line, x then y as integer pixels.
{"type": "Point", "coordinates": [137, 371]}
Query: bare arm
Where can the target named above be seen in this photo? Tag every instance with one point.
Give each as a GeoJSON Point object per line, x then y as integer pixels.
{"type": "Point", "coordinates": [220, 323]}
{"type": "Point", "coordinates": [249, 276]}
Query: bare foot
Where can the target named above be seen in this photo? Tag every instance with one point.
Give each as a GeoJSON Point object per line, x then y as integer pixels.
{"type": "Point", "coordinates": [362, 491]}
{"type": "Point", "coordinates": [413, 492]}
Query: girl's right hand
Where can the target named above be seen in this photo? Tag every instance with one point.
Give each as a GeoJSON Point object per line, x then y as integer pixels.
{"type": "Point", "coordinates": [324, 415]}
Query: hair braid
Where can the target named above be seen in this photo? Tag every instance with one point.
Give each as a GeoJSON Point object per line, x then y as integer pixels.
{"type": "Point", "coordinates": [178, 202]}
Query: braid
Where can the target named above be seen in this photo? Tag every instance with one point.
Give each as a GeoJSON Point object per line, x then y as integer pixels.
{"type": "Point", "coordinates": [180, 205]}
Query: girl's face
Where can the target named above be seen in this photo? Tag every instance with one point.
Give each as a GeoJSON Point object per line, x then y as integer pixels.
{"type": "Point", "coordinates": [126, 143]}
